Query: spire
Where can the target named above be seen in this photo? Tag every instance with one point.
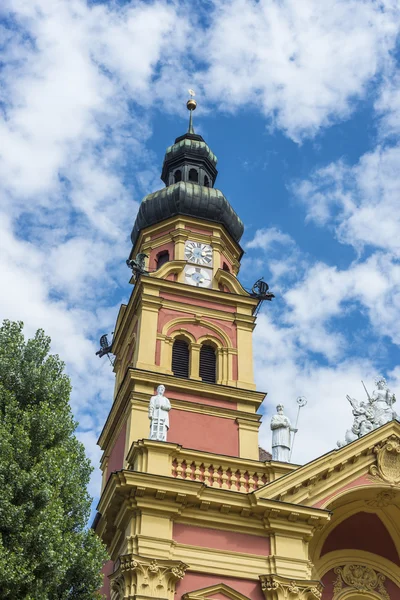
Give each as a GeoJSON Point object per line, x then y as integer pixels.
{"type": "Point", "coordinates": [191, 106]}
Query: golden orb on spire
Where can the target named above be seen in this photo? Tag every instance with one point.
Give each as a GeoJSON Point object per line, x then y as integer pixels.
{"type": "Point", "coordinates": [191, 104]}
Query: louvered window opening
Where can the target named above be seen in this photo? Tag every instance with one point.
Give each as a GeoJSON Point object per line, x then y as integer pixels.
{"type": "Point", "coordinates": [180, 358]}
{"type": "Point", "coordinates": [208, 364]}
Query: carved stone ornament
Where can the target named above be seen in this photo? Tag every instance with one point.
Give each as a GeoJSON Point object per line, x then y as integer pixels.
{"type": "Point", "coordinates": [141, 577]}
{"type": "Point", "coordinates": [276, 587]}
{"type": "Point", "coordinates": [359, 578]}
{"type": "Point", "coordinates": [387, 468]}
{"type": "Point", "coordinates": [383, 499]}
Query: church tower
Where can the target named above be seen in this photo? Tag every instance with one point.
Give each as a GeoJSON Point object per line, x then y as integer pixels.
{"type": "Point", "coordinates": [188, 517]}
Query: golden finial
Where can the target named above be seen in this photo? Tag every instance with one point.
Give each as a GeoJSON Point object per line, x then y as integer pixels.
{"type": "Point", "coordinates": [191, 105]}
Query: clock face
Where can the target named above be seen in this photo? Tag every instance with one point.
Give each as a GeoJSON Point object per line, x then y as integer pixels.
{"type": "Point", "coordinates": [198, 253]}
{"type": "Point", "coordinates": [198, 276]}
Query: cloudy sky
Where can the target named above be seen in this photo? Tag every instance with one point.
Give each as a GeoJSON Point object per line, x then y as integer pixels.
{"type": "Point", "coordinates": [300, 101]}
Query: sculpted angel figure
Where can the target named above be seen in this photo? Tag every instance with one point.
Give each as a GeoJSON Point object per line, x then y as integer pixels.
{"type": "Point", "coordinates": [159, 408]}
{"type": "Point", "coordinates": [281, 438]}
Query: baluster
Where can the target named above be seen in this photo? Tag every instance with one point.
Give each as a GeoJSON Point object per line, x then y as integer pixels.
{"type": "Point", "coordinates": [224, 480]}
{"type": "Point", "coordinates": [207, 475]}
{"type": "Point", "coordinates": [179, 471]}
{"type": "Point", "coordinates": [197, 472]}
{"type": "Point", "coordinates": [242, 482]}
{"type": "Point", "coordinates": [215, 478]}
{"type": "Point", "coordinates": [252, 483]}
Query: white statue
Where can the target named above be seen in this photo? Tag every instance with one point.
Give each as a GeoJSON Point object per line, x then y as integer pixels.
{"type": "Point", "coordinates": [281, 438]}
{"type": "Point", "coordinates": [372, 414]}
{"type": "Point", "coordinates": [159, 408]}
{"type": "Point", "coordinates": [382, 402]}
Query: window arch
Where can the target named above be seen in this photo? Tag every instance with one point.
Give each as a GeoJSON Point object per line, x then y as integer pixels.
{"type": "Point", "coordinates": [180, 358]}
{"type": "Point", "coordinates": [193, 175]}
{"type": "Point", "coordinates": [177, 176]}
{"type": "Point", "coordinates": [206, 181]}
{"type": "Point", "coordinates": [162, 258]}
{"type": "Point", "coordinates": [208, 363]}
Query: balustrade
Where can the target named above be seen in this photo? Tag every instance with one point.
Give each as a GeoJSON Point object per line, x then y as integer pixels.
{"type": "Point", "coordinates": [219, 475]}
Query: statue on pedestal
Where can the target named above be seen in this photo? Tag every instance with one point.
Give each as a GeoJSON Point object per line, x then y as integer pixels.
{"type": "Point", "coordinates": [281, 438]}
{"type": "Point", "coordinates": [159, 408]}
{"type": "Point", "coordinates": [372, 414]}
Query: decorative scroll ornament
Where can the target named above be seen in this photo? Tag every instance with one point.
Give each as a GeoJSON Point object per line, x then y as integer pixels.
{"type": "Point", "coordinates": [387, 468]}
{"type": "Point", "coordinates": [145, 577]}
{"type": "Point", "coordinates": [361, 579]}
{"type": "Point", "coordinates": [276, 587]}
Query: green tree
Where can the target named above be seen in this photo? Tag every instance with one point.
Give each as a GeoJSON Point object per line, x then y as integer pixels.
{"type": "Point", "coordinates": [46, 550]}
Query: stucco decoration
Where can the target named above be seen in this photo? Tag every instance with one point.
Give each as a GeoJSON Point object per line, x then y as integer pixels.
{"type": "Point", "coordinates": [281, 588]}
{"type": "Point", "coordinates": [373, 413]}
{"type": "Point", "coordinates": [281, 435]}
{"type": "Point", "coordinates": [140, 577]}
{"type": "Point", "coordinates": [159, 408]}
{"type": "Point", "coordinates": [387, 466]}
{"type": "Point", "coordinates": [359, 578]}
{"type": "Point", "coordinates": [383, 499]}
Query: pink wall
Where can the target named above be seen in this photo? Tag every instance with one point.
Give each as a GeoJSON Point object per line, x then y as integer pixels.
{"type": "Point", "coordinates": [362, 531]}
{"type": "Point", "coordinates": [196, 581]}
{"type": "Point", "coordinates": [116, 458]}
{"type": "Point", "coordinates": [362, 480]}
{"type": "Point", "coordinates": [204, 432]}
{"type": "Point", "coordinates": [106, 571]}
{"type": "Point", "coordinates": [197, 302]}
{"type": "Point", "coordinates": [220, 540]}
{"type": "Point", "coordinates": [201, 400]}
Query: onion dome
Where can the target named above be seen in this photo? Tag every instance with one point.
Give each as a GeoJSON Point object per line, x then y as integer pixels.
{"type": "Point", "coordinates": [189, 173]}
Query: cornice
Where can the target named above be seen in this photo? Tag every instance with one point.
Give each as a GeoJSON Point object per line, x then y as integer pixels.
{"type": "Point", "coordinates": [186, 499]}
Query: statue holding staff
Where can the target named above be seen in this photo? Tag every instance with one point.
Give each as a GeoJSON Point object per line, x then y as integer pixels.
{"type": "Point", "coordinates": [281, 435]}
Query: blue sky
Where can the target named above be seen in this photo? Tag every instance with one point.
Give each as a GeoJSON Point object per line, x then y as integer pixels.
{"type": "Point", "coordinates": [300, 101]}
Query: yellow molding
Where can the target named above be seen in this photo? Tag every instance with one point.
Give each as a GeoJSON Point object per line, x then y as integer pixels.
{"type": "Point", "coordinates": [216, 232]}
{"type": "Point", "coordinates": [221, 562]}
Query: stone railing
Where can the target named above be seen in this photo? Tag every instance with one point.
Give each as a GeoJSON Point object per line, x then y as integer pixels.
{"type": "Point", "coordinates": [227, 474]}
{"type": "Point", "coordinates": [215, 470]}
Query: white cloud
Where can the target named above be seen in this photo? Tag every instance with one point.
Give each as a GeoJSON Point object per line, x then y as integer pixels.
{"type": "Point", "coordinates": [359, 201]}
{"type": "Point", "coordinates": [302, 63]}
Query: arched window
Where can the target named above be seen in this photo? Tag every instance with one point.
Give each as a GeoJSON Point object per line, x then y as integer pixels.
{"type": "Point", "coordinates": [180, 358]}
{"type": "Point", "coordinates": [178, 176]}
{"type": "Point", "coordinates": [162, 258]}
{"type": "Point", "coordinates": [225, 267]}
{"type": "Point", "coordinates": [193, 175]}
{"type": "Point", "coordinates": [208, 363]}
{"type": "Point", "coordinates": [206, 181]}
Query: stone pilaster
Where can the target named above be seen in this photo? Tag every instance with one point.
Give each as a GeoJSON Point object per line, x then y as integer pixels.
{"type": "Point", "coordinates": [276, 587]}
{"type": "Point", "coordinates": [141, 578]}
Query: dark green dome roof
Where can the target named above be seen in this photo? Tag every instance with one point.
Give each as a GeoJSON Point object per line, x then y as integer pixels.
{"type": "Point", "coordinates": [193, 144]}
{"type": "Point", "coordinates": [191, 199]}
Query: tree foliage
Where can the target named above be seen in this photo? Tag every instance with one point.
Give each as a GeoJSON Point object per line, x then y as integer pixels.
{"type": "Point", "coordinates": [46, 550]}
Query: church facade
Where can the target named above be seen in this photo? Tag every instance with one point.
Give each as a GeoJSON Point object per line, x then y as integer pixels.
{"type": "Point", "coordinates": [190, 507]}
